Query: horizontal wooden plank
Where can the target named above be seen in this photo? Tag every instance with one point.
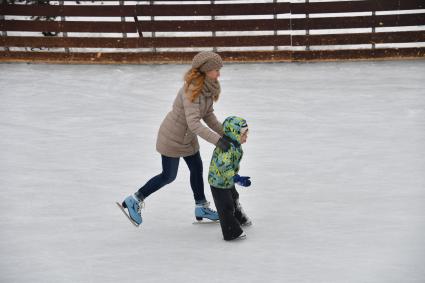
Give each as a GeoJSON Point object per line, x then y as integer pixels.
{"type": "Point", "coordinates": [146, 26]}
{"type": "Point", "coordinates": [219, 25]}
{"type": "Point", "coordinates": [228, 56]}
{"type": "Point", "coordinates": [210, 9]}
{"type": "Point", "coordinates": [360, 54]}
{"type": "Point", "coordinates": [359, 38]}
{"type": "Point", "coordinates": [220, 41]}
{"type": "Point", "coordinates": [359, 22]}
{"type": "Point", "coordinates": [145, 10]}
{"type": "Point", "coordinates": [145, 42]}
{"type": "Point", "coordinates": [355, 6]}
{"type": "Point", "coordinates": [103, 1]}
{"type": "Point", "coordinates": [58, 26]}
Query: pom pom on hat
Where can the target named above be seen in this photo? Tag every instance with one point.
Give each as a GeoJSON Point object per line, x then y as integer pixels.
{"type": "Point", "coordinates": [207, 61]}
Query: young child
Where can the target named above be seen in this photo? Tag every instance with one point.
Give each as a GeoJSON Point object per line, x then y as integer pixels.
{"type": "Point", "coordinates": [223, 175]}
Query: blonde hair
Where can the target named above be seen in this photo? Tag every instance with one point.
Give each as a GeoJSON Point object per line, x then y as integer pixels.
{"type": "Point", "coordinates": [193, 81]}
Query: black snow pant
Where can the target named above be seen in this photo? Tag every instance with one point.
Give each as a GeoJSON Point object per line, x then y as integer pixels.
{"type": "Point", "coordinates": [231, 217]}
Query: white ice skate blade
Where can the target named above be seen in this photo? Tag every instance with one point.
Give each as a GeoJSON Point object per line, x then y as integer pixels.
{"type": "Point", "coordinates": [197, 222]}
{"type": "Point", "coordinates": [240, 238]}
{"type": "Point", "coordinates": [128, 216]}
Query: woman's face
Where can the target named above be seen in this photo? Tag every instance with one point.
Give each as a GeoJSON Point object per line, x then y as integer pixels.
{"type": "Point", "coordinates": [214, 74]}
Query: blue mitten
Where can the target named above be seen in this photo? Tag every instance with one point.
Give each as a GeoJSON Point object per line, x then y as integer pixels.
{"type": "Point", "coordinates": [242, 181]}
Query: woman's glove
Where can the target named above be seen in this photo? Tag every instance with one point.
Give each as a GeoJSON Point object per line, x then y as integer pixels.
{"type": "Point", "coordinates": [223, 144]}
{"type": "Point", "coordinates": [242, 181]}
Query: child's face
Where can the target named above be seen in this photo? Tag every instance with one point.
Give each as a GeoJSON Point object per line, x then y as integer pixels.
{"type": "Point", "coordinates": [244, 137]}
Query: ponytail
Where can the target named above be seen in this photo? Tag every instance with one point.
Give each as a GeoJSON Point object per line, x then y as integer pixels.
{"type": "Point", "coordinates": [193, 81]}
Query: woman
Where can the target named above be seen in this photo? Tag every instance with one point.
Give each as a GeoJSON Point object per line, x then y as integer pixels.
{"type": "Point", "coordinates": [177, 136]}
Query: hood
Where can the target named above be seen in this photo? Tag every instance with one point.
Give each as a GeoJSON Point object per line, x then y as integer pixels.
{"type": "Point", "coordinates": [232, 127]}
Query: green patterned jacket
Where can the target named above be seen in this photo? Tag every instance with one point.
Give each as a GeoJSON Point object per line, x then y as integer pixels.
{"type": "Point", "coordinates": [225, 164]}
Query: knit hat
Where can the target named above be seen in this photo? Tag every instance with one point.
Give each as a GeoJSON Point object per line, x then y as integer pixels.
{"type": "Point", "coordinates": [207, 61]}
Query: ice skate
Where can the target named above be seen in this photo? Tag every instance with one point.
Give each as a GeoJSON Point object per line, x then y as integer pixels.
{"type": "Point", "coordinates": [134, 206]}
{"type": "Point", "coordinates": [204, 211]}
{"type": "Point", "coordinates": [242, 236]}
{"type": "Point", "coordinates": [244, 220]}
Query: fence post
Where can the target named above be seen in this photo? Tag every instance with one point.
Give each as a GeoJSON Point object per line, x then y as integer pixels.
{"type": "Point", "coordinates": [63, 19]}
{"type": "Point", "coordinates": [151, 2]}
{"type": "Point", "coordinates": [124, 34]}
{"type": "Point", "coordinates": [212, 23]}
{"type": "Point", "coordinates": [373, 28]}
{"type": "Point", "coordinates": [290, 25]}
{"type": "Point", "coordinates": [275, 48]}
{"type": "Point", "coordinates": [2, 17]}
{"type": "Point", "coordinates": [307, 30]}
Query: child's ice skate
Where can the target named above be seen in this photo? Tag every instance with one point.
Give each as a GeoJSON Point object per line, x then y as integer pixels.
{"type": "Point", "coordinates": [245, 220]}
{"type": "Point", "coordinates": [242, 236]}
{"type": "Point", "coordinates": [248, 222]}
{"type": "Point", "coordinates": [134, 207]}
{"type": "Point", "coordinates": [240, 214]}
{"type": "Point", "coordinates": [204, 211]}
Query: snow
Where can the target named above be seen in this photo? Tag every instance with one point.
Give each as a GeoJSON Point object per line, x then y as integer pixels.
{"type": "Point", "coordinates": [336, 154]}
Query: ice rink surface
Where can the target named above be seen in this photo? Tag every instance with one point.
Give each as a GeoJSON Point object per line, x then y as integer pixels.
{"type": "Point", "coordinates": [336, 154]}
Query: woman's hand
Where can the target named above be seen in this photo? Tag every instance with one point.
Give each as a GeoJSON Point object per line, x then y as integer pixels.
{"type": "Point", "coordinates": [223, 144]}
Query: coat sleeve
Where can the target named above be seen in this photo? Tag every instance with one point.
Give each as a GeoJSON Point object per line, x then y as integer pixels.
{"type": "Point", "coordinates": [193, 119]}
{"type": "Point", "coordinates": [212, 121]}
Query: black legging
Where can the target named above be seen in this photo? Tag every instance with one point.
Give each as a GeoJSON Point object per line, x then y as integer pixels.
{"type": "Point", "coordinates": [170, 166]}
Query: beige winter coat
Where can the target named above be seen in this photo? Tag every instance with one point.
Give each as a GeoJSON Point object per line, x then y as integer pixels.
{"type": "Point", "coordinates": [177, 135]}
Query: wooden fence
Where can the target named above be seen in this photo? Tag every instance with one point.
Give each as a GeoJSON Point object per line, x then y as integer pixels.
{"type": "Point", "coordinates": [241, 31]}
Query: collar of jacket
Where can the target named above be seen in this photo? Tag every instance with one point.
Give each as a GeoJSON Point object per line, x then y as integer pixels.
{"type": "Point", "coordinates": [229, 139]}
